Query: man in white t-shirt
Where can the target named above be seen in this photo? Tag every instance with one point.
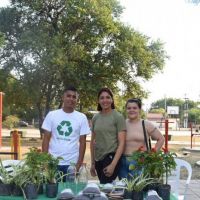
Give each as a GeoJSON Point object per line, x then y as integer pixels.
{"type": "Point", "coordinates": [65, 132]}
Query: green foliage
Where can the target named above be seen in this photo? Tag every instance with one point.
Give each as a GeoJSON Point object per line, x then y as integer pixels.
{"type": "Point", "coordinates": [156, 164]}
{"type": "Point", "coordinates": [42, 165]}
{"type": "Point", "coordinates": [51, 173]}
{"type": "Point", "coordinates": [81, 43]}
{"type": "Point", "coordinates": [10, 121]}
{"type": "Point", "coordinates": [16, 101]}
{"type": "Point", "coordinates": [137, 183]}
{"type": "Point", "coordinates": [159, 110]}
{"type": "Point", "coordinates": [129, 184]}
{"type": "Point", "coordinates": [36, 168]}
{"type": "Point", "coordinates": [34, 162]}
{"type": "Point", "coordinates": [5, 176]}
{"type": "Point", "coordinates": [20, 175]}
{"type": "Point", "coordinates": [1, 39]}
{"type": "Point", "coordinates": [194, 115]}
{"type": "Point", "coordinates": [89, 115]}
{"type": "Point", "coordinates": [193, 109]}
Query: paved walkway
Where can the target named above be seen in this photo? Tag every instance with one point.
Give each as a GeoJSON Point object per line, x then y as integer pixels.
{"type": "Point", "coordinates": [193, 192]}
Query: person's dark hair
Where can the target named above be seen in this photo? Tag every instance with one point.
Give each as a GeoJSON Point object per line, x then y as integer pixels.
{"type": "Point", "coordinates": [70, 88]}
{"type": "Point", "coordinates": [99, 108]}
{"type": "Point", "coordinates": [134, 100]}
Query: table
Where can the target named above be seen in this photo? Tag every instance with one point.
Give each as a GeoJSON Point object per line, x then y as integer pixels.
{"type": "Point", "coordinates": [75, 187]}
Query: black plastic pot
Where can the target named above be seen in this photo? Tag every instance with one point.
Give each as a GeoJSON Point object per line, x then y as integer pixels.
{"type": "Point", "coordinates": [137, 195]}
{"type": "Point", "coordinates": [127, 194]}
{"type": "Point", "coordinates": [16, 190]}
{"type": "Point", "coordinates": [31, 191]}
{"type": "Point", "coordinates": [51, 190]}
{"type": "Point", "coordinates": [40, 189]}
{"type": "Point", "coordinates": [152, 186]}
{"type": "Point", "coordinates": [164, 191]}
{"type": "Point", "coordinates": [5, 189]}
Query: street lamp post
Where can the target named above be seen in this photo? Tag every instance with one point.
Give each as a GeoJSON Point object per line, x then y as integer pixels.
{"type": "Point", "coordinates": [185, 122]}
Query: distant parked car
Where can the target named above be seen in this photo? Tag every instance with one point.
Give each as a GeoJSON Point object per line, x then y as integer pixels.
{"type": "Point", "coordinates": [23, 123]}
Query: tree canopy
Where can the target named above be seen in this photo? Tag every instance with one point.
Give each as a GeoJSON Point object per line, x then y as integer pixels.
{"type": "Point", "coordinates": [52, 44]}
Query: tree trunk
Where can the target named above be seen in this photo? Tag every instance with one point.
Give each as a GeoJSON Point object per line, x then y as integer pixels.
{"type": "Point", "coordinates": [40, 118]}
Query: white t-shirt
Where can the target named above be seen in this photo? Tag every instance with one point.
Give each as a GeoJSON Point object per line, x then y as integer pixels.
{"type": "Point", "coordinates": [66, 129]}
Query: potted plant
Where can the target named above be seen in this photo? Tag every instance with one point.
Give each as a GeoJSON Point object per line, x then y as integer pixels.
{"type": "Point", "coordinates": [6, 180]}
{"type": "Point", "coordinates": [42, 167]}
{"type": "Point", "coordinates": [169, 164]}
{"type": "Point", "coordinates": [51, 175]}
{"type": "Point", "coordinates": [148, 162]}
{"type": "Point", "coordinates": [18, 178]}
{"type": "Point", "coordinates": [135, 185]}
{"type": "Point", "coordinates": [34, 161]}
{"type": "Point", "coordinates": [128, 187]}
{"type": "Point", "coordinates": [156, 164]}
{"type": "Point", "coordinates": [22, 178]}
{"type": "Point", "coordinates": [39, 167]}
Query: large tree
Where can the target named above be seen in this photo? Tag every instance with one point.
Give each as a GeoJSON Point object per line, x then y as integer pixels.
{"type": "Point", "coordinates": [51, 44]}
{"type": "Point", "coordinates": [1, 39]}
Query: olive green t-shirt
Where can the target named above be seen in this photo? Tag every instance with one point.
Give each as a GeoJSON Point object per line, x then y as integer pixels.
{"type": "Point", "coordinates": [106, 128]}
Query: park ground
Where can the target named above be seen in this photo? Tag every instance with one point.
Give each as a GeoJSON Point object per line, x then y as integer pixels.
{"type": "Point", "coordinates": [177, 144]}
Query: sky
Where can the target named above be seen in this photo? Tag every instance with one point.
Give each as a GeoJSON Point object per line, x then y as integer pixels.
{"type": "Point", "coordinates": [176, 24]}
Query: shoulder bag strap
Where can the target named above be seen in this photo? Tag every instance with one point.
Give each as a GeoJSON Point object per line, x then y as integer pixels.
{"type": "Point", "coordinates": [148, 145]}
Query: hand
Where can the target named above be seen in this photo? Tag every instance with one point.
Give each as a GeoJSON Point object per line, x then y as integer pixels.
{"type": "Point", "coordinates": [93, 171]}
{"type": "Point", "coordinates": [108, 171]}
{"type": "Point", "coordinates": [78, 166]}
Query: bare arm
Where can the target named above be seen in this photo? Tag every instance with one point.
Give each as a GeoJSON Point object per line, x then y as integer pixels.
{"type": "Point", "coordinates": [120, 148]}
{"type": "Point", "coordinates": [82, 147]}
{"type": "Point", "coordinates": [157, 135]}
{"type": "Point", "coordinates": [45, 142]}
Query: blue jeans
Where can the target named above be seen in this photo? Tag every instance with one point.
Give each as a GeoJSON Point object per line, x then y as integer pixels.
{"type": "Point", "coordinates": [124, 171]}
{"type": "Point", "coordinates": [63, 169]}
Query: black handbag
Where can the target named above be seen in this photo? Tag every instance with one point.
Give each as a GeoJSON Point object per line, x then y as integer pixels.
{"type": "Point", "coordinates": [148, 143]}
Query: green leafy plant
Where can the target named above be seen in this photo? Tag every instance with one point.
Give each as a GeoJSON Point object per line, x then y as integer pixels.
{"type": "Point", "coordinates": [10, 121]}
{"type": "Point", "coordinates": [43, 166]}
{"type": "Point", "coordinates": [5, 176]}
{"type": "Point", "coordinates": [34, 161]}
{"type": "Point", "coordinates": [89, 115]}
{"type": "Point", "coordinates": [129, 184]}
{"type": "Point", "coordinates": [51, 174]}
{"type": "Point", "coordinates": [169, 163]}
{"type": "Point", "coordinates": [137, 183]}
{"type": "Point", "coordinates": [156, 164]}
{"type": "Point", "coordinates": [21, 176]}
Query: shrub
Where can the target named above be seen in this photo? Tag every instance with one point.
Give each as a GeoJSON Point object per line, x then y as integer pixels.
{"type": "Point", "coordinates": [11, 121]}
{"type": "Point", "coordinates": [89, 115]}
{"type": "Point", "coordinates": [156, 164]}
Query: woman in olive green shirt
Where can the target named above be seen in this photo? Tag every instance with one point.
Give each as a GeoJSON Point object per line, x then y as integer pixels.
{"type": "Point", "coordinates": [108, 138]}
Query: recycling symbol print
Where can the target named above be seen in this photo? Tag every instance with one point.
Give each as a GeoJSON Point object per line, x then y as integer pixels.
{"type": "Point", "coordinates": [64, 128]}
